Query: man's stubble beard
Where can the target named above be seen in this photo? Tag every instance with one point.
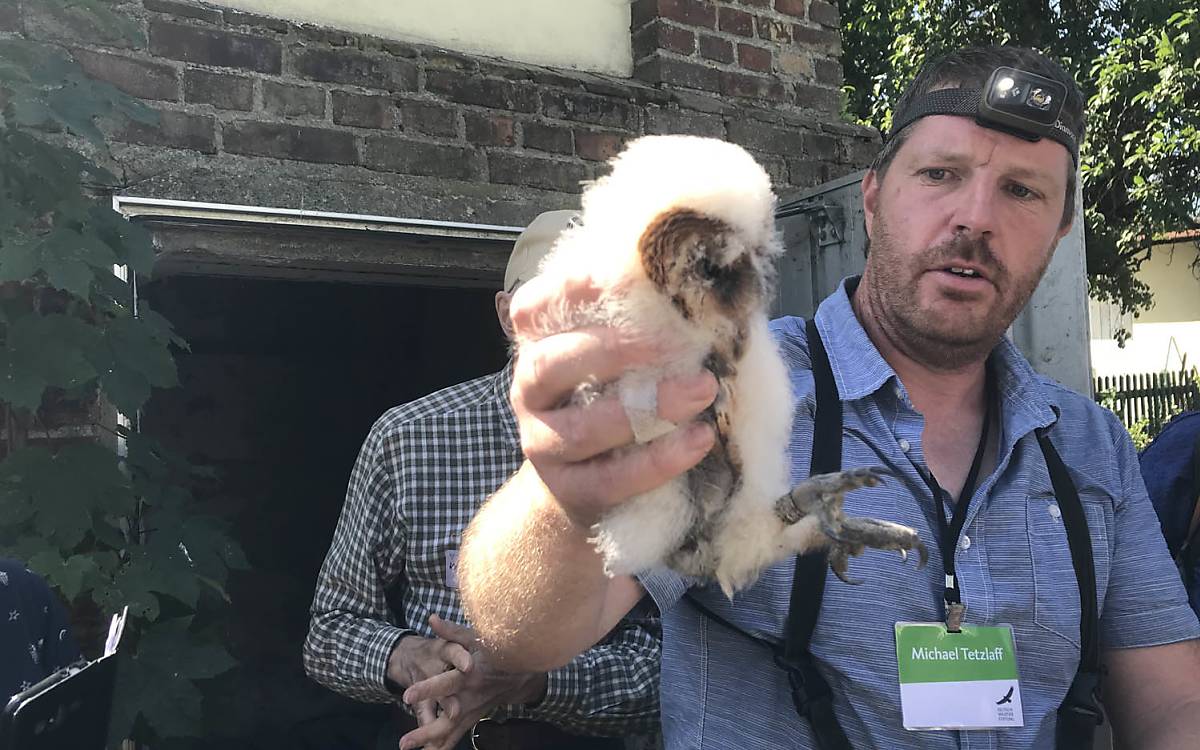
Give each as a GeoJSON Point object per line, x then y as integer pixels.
{"type": "Point", "coordinates": [926, 336]}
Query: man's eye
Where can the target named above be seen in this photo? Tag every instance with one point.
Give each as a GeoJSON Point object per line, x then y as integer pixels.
{"type": "Point", "coordinates": [1020, 191]}
{"type": "Point", "coordinates": [936, 174]}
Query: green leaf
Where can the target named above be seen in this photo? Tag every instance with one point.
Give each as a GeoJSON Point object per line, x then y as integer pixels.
{"type": "Point", "coordinates": [45, 351]}
{"type": "Point", "coordinates": [158, 569]}
{"type": "Point", "coordinates": [162, 645]}
{"type": "Point", "coordinates": [139, 345]}
{"type": "Point", "coordinates": [66, 488]}
{"type": "Point", "coordinates": [69, 576]}
{"type": "Point", "coordinates": [171, 706]}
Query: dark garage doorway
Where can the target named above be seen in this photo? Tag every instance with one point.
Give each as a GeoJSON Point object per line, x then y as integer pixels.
{"type": "Point", "coordinates": [283, 381]}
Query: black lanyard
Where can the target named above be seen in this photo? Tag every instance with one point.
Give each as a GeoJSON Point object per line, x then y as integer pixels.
{"type": "Point", "coordinates": [950, 532]}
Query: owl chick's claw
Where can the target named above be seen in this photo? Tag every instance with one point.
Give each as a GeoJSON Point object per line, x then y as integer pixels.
{"type": "Point", "coordinates": [822, 497]}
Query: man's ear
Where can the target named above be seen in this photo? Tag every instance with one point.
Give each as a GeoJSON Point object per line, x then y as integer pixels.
{"type": "Point", "coordinates": [870, 192]}
{"type": "Point", "coordinates": [503, 300]}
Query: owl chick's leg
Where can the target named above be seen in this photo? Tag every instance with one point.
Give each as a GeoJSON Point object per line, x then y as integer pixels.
{"type": "Point", "coordinates": [822, 495]}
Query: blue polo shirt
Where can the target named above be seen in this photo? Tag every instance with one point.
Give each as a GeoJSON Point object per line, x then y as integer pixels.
{"type": "Point", "coordinates": [721, 690]}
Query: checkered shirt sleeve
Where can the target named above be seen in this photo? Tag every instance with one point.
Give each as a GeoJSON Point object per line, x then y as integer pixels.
{"type": "Point", "coordinates": [424, 470]}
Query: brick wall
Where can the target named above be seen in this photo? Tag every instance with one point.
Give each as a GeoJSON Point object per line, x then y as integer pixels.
{"type": "Point", "coordinates": [263, 111]}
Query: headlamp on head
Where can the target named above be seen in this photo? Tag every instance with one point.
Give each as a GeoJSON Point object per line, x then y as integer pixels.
{"type": "Point", "coordinates": [1013, 101]}
{"type": "Point", "coordinates": [1023, 103]}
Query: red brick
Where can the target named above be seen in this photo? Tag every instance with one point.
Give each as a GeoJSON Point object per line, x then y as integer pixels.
{"type": "Point", "coordinates": [489, 129]}
{"type": "Point", "coordinates": [716, 48]}
{"type": "Point", "coordinates": [818, 98]}
{"type": "Point", "coordinates": [531, 171]}
{"type": "Point", "coordinates": [221, 90]}
{"type": "Point", "coordinates": [824, 14]}
{"type": "Point", "coordinates": [362, 111]}
{"type": "Point", "coordinates": [68, 23]}
{"type": "Point", "coordinates": [290, 100]}
{"type": "Point", "coordinates": [589, 108]}
{"type": "Point", "coordinates": [790, 7]}
{"type": "Point", "coordinates": [184, 10]}
{"type": "Point", "coordinates": [819, 146]}
{"type": "Point", "coordinates": [737, 22]}
{"type": "Point", "coordinates": [830, 40]}
{"type": "Point", "coordinates": [140, 78]}
{"type": "Point", "coordinates": [668, 121]}
{"type": "Point", "coordinates": [240, 18]}
{"type": "Point", "coordinates": [322, 35]}
{"type": "Point", "coordinates": [642, 12]}
{"type": "Point", "coordinates": [773, 30]}
{"type": "Point", "coordinates": [828, 71]}
{"type": "Point", "coordinates": [689, 12]}
{"type": "Point", "coordinates": [754, 58]}
{"type": "Point", "coordinates": [217, 47]}
{"type": "Point", "coordinates": [494, 93]}
{"type": "Point", "coordinates": [751, 87]}
{"type": "Point", "coordinates": [427, 159]}
{"type": "Point", "coordinates": [679, 73]}
{"type": "Point", "coordinates": [550, 138]}
{"type": "Point", "coordinates": [597, 146]}
{"type": "Point", "coordinates": [761, 136]}
{"type": "Point", "coordinates": [174, 130]}
{"type": "Point", "coordinates": [662, 36]}
{"type": "Point", "coordinates": [355, 68]}
{"type": "Point", "coordinates": [283, 141]}
{"type": "Point", "coordinates": [430, 119]}
{"type": "Point", "coordinates": [442, 60]}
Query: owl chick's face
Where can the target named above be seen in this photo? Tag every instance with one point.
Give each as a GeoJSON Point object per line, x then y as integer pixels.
{"type": "Point", "coordinates": [703, 266]}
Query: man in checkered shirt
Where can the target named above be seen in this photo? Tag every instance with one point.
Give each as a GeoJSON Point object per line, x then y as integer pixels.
{"type": "Point", "coordinates": [386, 612]}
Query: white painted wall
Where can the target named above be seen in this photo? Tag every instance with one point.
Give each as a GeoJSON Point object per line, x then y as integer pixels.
{"type": "Point", "coordinates": [1167, 333]}
{"type": "Point", "coordinates": [590, 35]}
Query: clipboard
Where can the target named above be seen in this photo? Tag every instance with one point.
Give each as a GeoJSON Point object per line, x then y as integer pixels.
{"type": "Point", "coordinates": [70, 709]}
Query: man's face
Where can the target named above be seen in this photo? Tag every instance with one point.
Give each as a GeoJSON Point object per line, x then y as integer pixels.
{"type": "Point", "coordinates": [962, 225]}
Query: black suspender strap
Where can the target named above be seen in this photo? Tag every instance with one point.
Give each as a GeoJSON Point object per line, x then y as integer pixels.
{"type": "Point", "coordinates": [1080, 713]}
{"type": "Point", "coordinates": [810, 692]}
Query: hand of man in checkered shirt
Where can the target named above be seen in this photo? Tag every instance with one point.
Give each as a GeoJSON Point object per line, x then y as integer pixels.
{"type": "Point", "coordinates": [448, 702]}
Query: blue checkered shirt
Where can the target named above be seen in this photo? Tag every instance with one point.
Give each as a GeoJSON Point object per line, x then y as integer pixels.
{"type": "Point", "coordinates": [721, 690]}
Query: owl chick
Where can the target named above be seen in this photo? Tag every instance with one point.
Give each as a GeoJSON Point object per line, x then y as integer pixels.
{"type": "Point", "coordinates": [680, 237]}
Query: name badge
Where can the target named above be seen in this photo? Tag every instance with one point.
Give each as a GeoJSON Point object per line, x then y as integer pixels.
{"type": "Point", "coordinates": [452, 569]}
{"type": "Point", "coordinates": [965, 680]}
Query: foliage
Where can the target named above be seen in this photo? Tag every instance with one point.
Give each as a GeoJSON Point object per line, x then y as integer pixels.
{"type": "Point", "coordinates": [1138, 63]}
{"type": "Point", "coordinates": [105, 529]}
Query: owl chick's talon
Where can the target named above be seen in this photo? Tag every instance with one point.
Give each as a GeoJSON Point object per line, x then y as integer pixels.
{"type": "Point", "coordinates": [822, 496]}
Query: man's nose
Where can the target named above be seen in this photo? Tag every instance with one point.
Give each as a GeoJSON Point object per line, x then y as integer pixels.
{"type": "Point", "coordinates": [975, 212]}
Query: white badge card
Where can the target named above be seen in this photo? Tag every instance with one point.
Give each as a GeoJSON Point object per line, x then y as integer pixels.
{"type": "Point", "coordinates": [452, 569]}
{"type": "Point", "coordinates": [965, 680]}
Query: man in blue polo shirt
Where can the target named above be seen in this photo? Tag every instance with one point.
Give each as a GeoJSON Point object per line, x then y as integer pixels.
{"type": "Point", "coordinates": [964, 207]}
{"type": "Point", "coordinates": [1171, 468]}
